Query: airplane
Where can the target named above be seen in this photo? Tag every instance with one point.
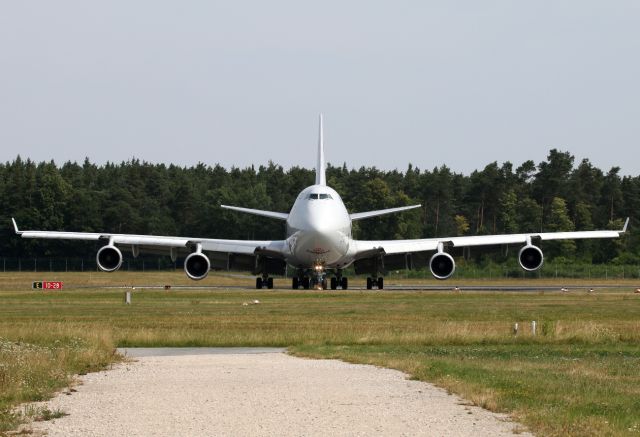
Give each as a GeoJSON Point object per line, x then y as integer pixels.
{"type": "Point", "coordinates": [318, 244]}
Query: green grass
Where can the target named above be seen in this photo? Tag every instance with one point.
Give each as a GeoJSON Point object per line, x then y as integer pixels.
{"type": "Point", "coordinates": [578, 376]}
{"type": "Point", "coordinates": [554, 389]}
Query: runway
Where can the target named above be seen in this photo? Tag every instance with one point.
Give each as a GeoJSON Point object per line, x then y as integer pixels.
{"type": "Point", "coordinates": [448, 287]}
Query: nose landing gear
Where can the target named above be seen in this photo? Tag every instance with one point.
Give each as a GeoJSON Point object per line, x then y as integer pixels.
{"type": "Point", "coordinates": [316, 278]}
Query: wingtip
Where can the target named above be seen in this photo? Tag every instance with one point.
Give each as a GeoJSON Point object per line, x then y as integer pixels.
{"type": "Point", "coordinates": [626, 225]}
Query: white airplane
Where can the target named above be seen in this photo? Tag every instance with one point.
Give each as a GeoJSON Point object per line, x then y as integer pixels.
{"type": "Point", "coordinates": [319, 244]}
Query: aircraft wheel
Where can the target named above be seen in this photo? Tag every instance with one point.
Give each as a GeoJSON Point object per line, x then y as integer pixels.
{"type": "Point", "coordinates": [305, 283]}
{"type": "Point", "coordinates": [334, 283]}
{"type": "Point", "coordinates": [258, 283]}
{"type": "Point", "coordinates": [270, 283]}
{"type": "Point", "coordinates": [369, 283]}
{"type": "Point", "coordinates": [380, 283]}
{"type": "Point", "coordinates": [344, 283]}
{"type": "Point", "coordinates": [294, 283]}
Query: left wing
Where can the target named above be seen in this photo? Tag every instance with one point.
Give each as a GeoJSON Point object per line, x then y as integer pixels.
{"type": "Point", "coordinates": [396, 254]}
{"type": "Point", "coordinates": [367, 214]}
{"type": "Point", "coordinates": [428, 244]}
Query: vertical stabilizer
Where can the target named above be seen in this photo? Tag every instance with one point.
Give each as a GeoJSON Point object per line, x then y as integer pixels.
{"type": "Point", "coordinates": [320, 166]}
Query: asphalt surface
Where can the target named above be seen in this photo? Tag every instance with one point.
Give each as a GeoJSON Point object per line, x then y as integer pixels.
{"type": "Point", "coordinates": [399, 287]}
{"type": "Point", "coordinates": [137, 352]}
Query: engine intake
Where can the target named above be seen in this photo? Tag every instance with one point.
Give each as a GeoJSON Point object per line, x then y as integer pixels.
{"type": "Point", "coordinates": [197, 266]}
{"type": "Point", "coordinates": [109, 258]}
{"type": "Point", "coordinates": [442, 265]}
{"type": "Point", "coordinates": [530, 258]}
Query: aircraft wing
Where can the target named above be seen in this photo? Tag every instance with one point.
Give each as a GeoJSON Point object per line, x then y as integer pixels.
{"type": "Point", "coordinates": [389, 247]}
{"type": "Point", "coordinates": [270, 214]}
{"type": "Point", "coordinates": [156, 243]}
{"type": "Point", "coordinates": [367, 214]}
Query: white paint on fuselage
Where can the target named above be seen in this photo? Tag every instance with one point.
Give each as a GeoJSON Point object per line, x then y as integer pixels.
{"type": "Point", "coordinates": [319, 229]}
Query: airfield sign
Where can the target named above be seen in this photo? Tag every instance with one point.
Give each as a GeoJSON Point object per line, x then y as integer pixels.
{"type": "Point", "coordinates": [47, 285]}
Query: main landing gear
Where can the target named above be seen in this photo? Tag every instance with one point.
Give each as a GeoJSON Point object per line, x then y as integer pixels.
{"type": "Point", "coordinates": [320, 283]}
{"type": "Point", "coordinates": [317, 279]}
{"type": "Point", "coordinates": [339, 281]}
{"type": "Point", "coordinates": [377, 283]}
{"type": "Point", "coordinates": [263, 282]}
{"type": "Point", "coordinates": [343, 282]}
{"type": "Point", "coordinates": [302, 281]}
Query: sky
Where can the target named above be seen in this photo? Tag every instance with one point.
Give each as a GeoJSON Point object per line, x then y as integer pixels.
{"type": "Point", "coordinates": [431, 83]}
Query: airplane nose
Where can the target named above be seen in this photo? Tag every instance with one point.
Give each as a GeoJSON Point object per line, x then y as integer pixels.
{"type": "Point", "coordinates": [320, 224]}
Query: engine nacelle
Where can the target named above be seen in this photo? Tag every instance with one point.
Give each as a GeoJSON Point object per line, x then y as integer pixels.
{"type": "Point", "coordinates": [442, 265]}
{"type": "Point", "coordinates": [197, 266]}
{"type": "Point", "coordinates": [109, 258]}
{"type": "Point", "coordinates": [530, 258]}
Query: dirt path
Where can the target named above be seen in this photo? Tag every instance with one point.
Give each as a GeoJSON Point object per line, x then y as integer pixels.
{"type": "Point", "coordinates": [265, 394]}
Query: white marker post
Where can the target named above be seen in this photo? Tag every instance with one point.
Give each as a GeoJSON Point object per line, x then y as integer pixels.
{"type": "Point", "coordinates": [127, 297]}
{"type": "Point", "coordinates": [533, 327]}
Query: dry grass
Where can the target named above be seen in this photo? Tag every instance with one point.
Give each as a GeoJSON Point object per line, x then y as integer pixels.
{"type": "Point", "coordinates": [33, 371]}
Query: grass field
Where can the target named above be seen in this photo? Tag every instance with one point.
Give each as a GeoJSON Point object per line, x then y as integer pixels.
{"type": "Point", "coordinates": [580, 375]}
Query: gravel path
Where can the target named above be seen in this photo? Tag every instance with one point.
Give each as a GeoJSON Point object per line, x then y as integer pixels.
{"type": "Point", "coordinates": [266, 394]}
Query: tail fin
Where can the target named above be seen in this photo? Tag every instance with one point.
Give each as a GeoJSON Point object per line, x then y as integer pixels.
{"type": "Point", "coordinates": [320, 165]}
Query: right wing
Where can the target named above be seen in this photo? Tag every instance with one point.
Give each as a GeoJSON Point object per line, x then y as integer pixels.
{"type": "Point", "coordinates": [271, 214]}
{"type": "Point", "coordinates": [224, 252]}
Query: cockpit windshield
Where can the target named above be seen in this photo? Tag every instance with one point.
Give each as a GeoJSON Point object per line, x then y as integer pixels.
{"type": "Point", "coordinates": [315, 196]}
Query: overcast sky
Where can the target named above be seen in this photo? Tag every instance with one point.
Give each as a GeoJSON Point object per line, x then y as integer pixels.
{"type": "Point", "coordinates": [461, 83]}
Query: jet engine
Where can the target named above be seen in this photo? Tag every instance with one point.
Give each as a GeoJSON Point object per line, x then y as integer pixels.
{"type": "Point", "coordinates": [442, 265]}
{"type": "Point", "coordinates": [197, 266]}
{"type": "Point", "coordinates": [109, 258]}
{"type": "Point", "coordinates": [530, 258]}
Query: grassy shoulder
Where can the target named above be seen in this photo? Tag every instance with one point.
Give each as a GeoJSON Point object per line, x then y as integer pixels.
{"type": "Point", "coordinates": [33, 366]}
{"type": "Point", "coordinates": [553, 389]}
{"type": "Point", "coordinates": [577, 376]}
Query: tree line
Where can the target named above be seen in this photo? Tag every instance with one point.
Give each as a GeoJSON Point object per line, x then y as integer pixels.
{"type": "Point", "coordinates": [140, 197]}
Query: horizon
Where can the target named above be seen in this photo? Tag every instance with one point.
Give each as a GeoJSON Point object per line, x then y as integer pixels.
{"type": "Point", "coordinates": [256, 166]}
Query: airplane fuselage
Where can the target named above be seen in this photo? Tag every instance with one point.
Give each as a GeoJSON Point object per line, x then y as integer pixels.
{"type": "Point", "coordinates": [319, 229]}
